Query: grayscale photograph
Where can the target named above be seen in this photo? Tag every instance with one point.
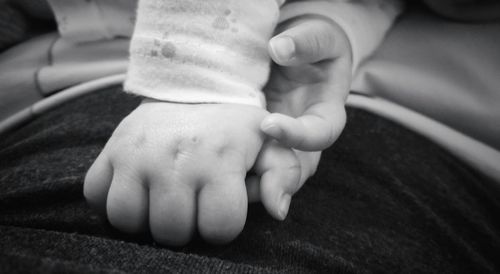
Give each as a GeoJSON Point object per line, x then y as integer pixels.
{"type": "Point", "coordinates": [249, 136]}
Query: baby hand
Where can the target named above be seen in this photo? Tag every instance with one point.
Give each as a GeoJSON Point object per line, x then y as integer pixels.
{"type": "Point", "coordinates": [307, 94]}
{"type": "Point", "coordinates": [308, 88]}
{"type": "Point", "coordinates": [174, 168]}
{"type": "Point", "coordinates": [280, 172]}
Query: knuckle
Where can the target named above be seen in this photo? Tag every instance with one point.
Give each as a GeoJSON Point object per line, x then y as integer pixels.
{"type": "Point", "coordinates": [293, 167]}
{"type": "Point", "coordinates": [315, 46]}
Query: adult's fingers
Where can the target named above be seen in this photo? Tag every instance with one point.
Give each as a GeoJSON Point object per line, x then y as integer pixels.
{"type": "Point", "coordinates": [308, 40]}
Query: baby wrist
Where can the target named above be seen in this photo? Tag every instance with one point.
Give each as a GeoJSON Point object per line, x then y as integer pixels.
{"type": "Point", "coordinates": [197, 51]}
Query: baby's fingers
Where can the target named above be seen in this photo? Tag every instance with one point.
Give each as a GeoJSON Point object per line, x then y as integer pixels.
{"type": "Point", "coordinates": [280, 173]}
{"type": "Point", "coordinates": [97, 183]}
{"type": "Point", "coordinates": [308, 40]}
{"type": "Point", "coordinates": [315, 130]}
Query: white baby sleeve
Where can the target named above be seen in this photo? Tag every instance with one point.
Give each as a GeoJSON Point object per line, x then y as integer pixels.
{"type": "Point", "coordinates": [364, 21]}
{"type": "Point", "coordinates": [199, 51]}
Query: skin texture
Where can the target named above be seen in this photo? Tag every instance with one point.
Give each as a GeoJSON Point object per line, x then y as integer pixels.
{"type": "Point", "coordinates": [174, 168]}
{"type": "Point", "coordinates": [310, 86]}
{"type": "Point", "coordinates": [306, 95]}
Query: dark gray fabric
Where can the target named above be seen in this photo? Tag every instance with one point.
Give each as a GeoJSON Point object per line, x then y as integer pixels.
{"type": "Point", "coordinates": [383, 200]}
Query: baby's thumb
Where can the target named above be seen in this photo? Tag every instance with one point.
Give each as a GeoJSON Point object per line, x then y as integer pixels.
{"type": "Point", "coordinates": [305, 41]}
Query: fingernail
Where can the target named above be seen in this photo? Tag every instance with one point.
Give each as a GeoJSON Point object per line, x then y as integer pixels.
{"type": "Point", "coordinates": [273, 130]}
{"type": "Point", "coordinates": [284, 205]}
{"type": "Point", "coordinates": [283, 48]}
